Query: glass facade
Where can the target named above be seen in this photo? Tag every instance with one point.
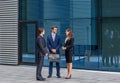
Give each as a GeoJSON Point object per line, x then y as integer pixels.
{"type": "Point", "coordinates": [90, 20]}
{"type": "Point", "coordinates": [110, 35]}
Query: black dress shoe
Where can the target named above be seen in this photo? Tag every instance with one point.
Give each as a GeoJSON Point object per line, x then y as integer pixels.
{"type": "Point", "coordinates": [68, 77]}
{"type": "Point", "coordinates": [49, 76]}
{"type": "Point", "coordinates": [42, 79]}
{"type": "Point", "coordinates": [58, 76]}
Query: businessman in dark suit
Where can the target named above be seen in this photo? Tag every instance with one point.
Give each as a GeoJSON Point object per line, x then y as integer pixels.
{"type": "Point", "coordinates": [41, 51]}
{"type": "Point", "coordinates": [53, 44]}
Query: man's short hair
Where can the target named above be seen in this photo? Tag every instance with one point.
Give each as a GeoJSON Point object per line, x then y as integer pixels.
{"type": "Point", "coordinates": [54, 27]}
{"type": "Point", "coordinates": [40, 30]}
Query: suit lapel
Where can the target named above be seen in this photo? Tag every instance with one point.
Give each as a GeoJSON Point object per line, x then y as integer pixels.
{"type": "Point", "coordinates": [52, 37]}
{"type": "Point", "coordinates": [43, 38]}
{"type": "Point", "coordinates": [55, 37]}
{"type": "Point", "coordinates": [67, 41]}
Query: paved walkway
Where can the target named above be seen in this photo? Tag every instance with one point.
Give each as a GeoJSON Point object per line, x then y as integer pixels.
{"type": "Point", "coordinates": [26, 74]}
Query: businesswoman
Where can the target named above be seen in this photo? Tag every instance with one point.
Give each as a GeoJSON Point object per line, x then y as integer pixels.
{"type": "Point", "coordinates": [68, 47]}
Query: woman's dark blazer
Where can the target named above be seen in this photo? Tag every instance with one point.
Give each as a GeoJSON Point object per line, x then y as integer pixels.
{"type": "Point", "coordinates": [69, 44]}
{"type": "Point", "coordinates": [69, 49]}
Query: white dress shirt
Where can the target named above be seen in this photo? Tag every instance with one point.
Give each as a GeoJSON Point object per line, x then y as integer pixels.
{"type": "Point", "coordinates": [53, 36]}
{"type": "Point", "coordinates": [66, 39]}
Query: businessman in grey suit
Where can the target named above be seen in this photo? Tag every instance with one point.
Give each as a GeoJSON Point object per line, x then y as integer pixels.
{"type": "Point", "coordinates": [41, 51]}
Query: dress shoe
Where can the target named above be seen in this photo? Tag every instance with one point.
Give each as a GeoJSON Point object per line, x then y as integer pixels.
{"type": "Point", "coordinates": [58, 76]}
{"type": "Point", "coordinates": [68, 77]}
{"type": "Point", "coordinates": [49, 76]}
{"type": "Point", "coordinates": [42, 79]}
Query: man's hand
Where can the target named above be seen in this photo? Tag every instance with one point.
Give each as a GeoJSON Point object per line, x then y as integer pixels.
{"type": "Point", "coordinates": [46, 54]}
{"type": "Point", "coordinates": [53, 50]}
{"type": "Point", "coordinates": [48, 51]}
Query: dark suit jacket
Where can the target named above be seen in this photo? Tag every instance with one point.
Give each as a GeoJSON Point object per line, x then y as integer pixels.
{"type": "Point", "coordinates": [41, 49]}
{"type": "Point", "coordinates": [69, 45]}
{"type": "Point", "coordinates": [53, 44]}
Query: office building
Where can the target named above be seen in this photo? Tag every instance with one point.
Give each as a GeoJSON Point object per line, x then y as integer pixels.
{"type": "Point", "coordinates": [95, 24]}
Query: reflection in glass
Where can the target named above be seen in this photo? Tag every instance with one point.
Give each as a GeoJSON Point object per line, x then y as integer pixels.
{"type": "Point", "coordinates": [111, 46]}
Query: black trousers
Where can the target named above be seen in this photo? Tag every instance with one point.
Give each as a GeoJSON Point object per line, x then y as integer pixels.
{"type": "Point", "coordinates": [39, 67]}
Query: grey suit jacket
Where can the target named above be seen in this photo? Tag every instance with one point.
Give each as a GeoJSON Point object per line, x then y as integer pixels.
{"type": "Point", "coordinates": [41, 48]}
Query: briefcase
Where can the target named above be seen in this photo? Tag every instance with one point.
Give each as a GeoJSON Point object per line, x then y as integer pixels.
{"type": "Point", "coordinates": [53, 57]}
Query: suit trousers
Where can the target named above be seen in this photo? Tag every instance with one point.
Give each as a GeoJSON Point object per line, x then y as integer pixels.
{"type": "Point", "coordinates": [39, 67]}
{"type": "Point", "coordinates": [51, 68]}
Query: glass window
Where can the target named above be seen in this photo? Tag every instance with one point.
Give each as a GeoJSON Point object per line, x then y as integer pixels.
{"type": "Point", "coordinates": [54, 9]}
{"type": "Point", "coordinates": [28, 42]}
{"type": "Point", "coordinates": [82, 31]}
{"type": "Point", "coordinates": [110, 8]}
{"type": "Point", "coordinates": [80, 8]}
{"type": "Point", "coordinates": [34, 10]}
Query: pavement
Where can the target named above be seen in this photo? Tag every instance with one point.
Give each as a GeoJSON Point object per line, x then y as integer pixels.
{"type": "Point", "coordinates": [27, 74]}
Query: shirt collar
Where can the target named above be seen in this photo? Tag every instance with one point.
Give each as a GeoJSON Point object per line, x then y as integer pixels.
{"type": "Point", "coordinates": [41, 35]}
{"type": "Point", "coordinates": [53, 34]}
